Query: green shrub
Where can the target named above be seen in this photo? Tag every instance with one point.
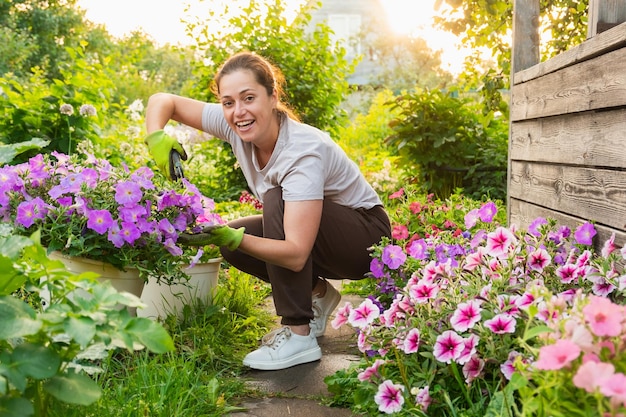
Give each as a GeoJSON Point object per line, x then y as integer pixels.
{"type": "Point", "coordinates": [447, 143]}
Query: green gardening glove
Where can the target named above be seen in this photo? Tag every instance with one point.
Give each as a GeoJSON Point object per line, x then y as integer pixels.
{"type": "Point", "coordinates": [218, 235]}
{"type": "Point", "coordinates": [160, 145]}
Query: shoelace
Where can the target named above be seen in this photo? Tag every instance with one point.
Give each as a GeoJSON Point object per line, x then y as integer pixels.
{"type": "Point", "coordinates": [272, 338]}
{"type": "Point", "coordinates": [317, 309]}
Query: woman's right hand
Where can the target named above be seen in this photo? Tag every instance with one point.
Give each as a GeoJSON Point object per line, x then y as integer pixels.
{"type": "Point", "coordinates": [160, 145]}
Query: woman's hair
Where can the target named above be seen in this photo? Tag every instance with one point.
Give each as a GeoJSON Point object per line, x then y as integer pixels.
{"type": "Point", "coordinates": [266, 74]}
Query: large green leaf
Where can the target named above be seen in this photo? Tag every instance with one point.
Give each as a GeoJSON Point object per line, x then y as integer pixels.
{"type": "Point", "coordinates": [73, 388]}
{"type": "Point", "coordinates": [151, 334]}
{"type": "Point", "coordinates": [36, 361]}
{"type": "Point", "coordinates": [12, 246]}
{"type": "Point", "coordinates": [10, 280]}
{"type": "Point", "coordinates": [15, 407]}
{"type": "Point", "coordinates": [81, 329]}
{"type": "Point", "coordinates": [18, 318]}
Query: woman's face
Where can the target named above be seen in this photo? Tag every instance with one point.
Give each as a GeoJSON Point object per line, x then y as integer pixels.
{"type": "Point", "coordinates": [248, 109]}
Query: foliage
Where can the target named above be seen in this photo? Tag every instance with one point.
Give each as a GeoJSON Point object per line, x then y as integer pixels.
{"type": "Point", "coordinates": [362, 139]}
{"type": "Point", "coordinates": [40, 31]}
{"type": "Point", "coordinates": [203, 376]}
{"type": "Point", "coordinates": [315, 68]}
{"type": "Point", "coordinates": [446, 143]}
{"type": "Point", "coordinates": [88, 208]}
{"type": "Point", "coordinates": [33, 109]}
{"type": "Point", "coordinates": [487, 25]}
{"type": "Point", "coordinates": [44, 345]}
{"type": "Point", "coordinates": [441, 334]}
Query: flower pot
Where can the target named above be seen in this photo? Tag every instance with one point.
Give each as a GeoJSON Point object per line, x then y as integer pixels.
{"type": "Point", "coordinates": [123, 281]}
{"type": "Point", "coordinates": [163, 299]}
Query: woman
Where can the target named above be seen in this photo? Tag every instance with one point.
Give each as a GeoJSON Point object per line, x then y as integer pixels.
{"type": "Point", "coordinates": [320, 215]}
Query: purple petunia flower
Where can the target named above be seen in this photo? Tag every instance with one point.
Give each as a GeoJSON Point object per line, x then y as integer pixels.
{"type": "Point", "coordinates": [584, 234]}
{"type": "Point", "coordinates": [393, 256]}
{"type": "Point", "coordinates": [533, 228]}
{"type": "Point", "coordinates": [418, 249]}
{"type": "Point", "coordinates": [99, 220]}
{"type": "Point", "coordinates": [377, 268]}
{"type": "Point", "coordinates": [487, 212]}
{"type": "Point", "coordinates": [127, 193]}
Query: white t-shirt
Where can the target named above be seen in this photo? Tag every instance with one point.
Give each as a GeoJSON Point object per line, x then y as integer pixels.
{"type": "Point", "coordinates": [306, 163]}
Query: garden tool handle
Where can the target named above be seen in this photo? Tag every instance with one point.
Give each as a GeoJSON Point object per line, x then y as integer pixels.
{"type": "Point", "coordinates": [176, 165]}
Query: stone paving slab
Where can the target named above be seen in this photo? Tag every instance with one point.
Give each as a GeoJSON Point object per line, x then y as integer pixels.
{"type": "Point", "coordinates": [299, 390]}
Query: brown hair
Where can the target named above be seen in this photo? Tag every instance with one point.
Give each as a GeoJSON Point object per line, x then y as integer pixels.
{"type": "Point", "coordinates": [266, 74]}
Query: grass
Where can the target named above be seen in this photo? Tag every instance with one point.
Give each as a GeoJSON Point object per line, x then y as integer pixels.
{"type": "Point", "coordinates": [203, 376]}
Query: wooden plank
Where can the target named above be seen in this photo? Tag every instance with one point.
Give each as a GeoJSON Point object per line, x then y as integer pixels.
{"type": "Point", "coordinates": [524, 213]}
{"type": "Point", "coordinates": [595, 194]}
{"type": "Point", "coordinates": [590, 85]}
{"type": "Point", "coordinates": [589, 139]}
{"type": "Point", "coordinates": [602, 43]}
{"type": "Point", "coordinates": [525, 49]}
{"type": "Point", "coordinates": [605, 14]}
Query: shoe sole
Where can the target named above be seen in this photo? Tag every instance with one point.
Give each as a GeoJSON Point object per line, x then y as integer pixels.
{"type": "Point", "coordinates": [310, 355]}
{"type": "Point", "coordinates": [335, 303]}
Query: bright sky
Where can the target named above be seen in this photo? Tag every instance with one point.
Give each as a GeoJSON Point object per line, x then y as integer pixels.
{"type": "Point", "coordinates": [161, 19]}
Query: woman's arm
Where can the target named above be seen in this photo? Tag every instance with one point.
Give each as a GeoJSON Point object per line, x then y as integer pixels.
{"type": "Point", "coordinates": [163, 107]}
{"type": "Point", "coordinates": [301, 224]}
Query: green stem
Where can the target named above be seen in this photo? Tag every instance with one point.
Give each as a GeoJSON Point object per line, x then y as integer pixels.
{"type": "Point", "coordinates": [458, 378]}
{"type": "Point", "coordinates": [69, 136]}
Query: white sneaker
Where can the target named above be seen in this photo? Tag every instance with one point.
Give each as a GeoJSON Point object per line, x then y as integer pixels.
{"type": "Point", "coordinates": [323, 308]}
{"type": "Point", "coordinates": [283, 349]}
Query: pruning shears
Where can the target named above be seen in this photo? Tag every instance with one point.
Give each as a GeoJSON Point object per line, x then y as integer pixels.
{"type": "Point", "coordinates": [176, 165]}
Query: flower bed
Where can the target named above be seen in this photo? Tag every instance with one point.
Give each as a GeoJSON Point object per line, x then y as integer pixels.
{"type": "Point", "coordinates": [461, 311]}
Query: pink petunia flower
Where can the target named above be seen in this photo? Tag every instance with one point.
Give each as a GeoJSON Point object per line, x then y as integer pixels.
{"type": "Point", "coordinates": [501, 323]}
{"type": "Point", "coordinates": [341, 317]}
{"type": "Point", "coordinates": [369, 372]}
{"type": "Point", "coordinates": [604, 317]}
{"type": "Point", "coordinates": [448, 346]}
{"type": "Point", "coordinates": [558, 355]}
{"type": "Point", "coordinates": [400, 232]}
{"type": "Point", "coordinates": [466, 315]}
{"type": "Point", "coordinates": [567, 273]}
{"type": "Point", "coordinates": [424, 290]}
{"type": "Point", "coordinates": [364, 314]}
{"type": "Point", "coordinates": [473, 368]}
{"type": "Point", "coordinates": [508, 367]}
{"type": "Point", "coordinates": [538, 260]}
{"type": "Point", "coordinates": [423, 398]}
{"type": "Point", "coordinates": [609, 246]}
{"type": "Point", "coordinates": [615, 387]}
{"type": "Point", "coordinates": [470, 344]}
{"type": "Point", "coordinates": [591, 375]}
{"type": "Point", "coordinates": [389, 397]}
{"type": "Point", "coordinates": [411, 342]}
{"type": "Point", "coordinates": [500, 241]}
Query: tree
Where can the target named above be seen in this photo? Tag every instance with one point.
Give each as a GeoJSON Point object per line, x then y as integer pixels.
{"type": "Point", "coordinates": [487, 24]}
{"type": "Point", "coordinates": [38, 32]}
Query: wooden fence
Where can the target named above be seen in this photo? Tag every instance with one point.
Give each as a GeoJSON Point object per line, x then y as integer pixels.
{"type": "Point", "coordinates": [567, 142]}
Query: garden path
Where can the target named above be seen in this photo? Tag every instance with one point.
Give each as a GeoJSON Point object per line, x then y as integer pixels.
{"type": "Point", "coordinates": [300, 390]}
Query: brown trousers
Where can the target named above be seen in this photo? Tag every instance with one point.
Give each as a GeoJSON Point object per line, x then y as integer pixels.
{"type": "Point", "coordinates": [340, 252]}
